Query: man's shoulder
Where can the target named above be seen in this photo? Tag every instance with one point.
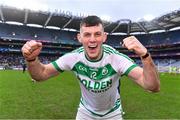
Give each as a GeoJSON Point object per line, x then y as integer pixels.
{"type": "Point", "coordinates": [109, 49]}
{"type": "Point", "coordinates": [78, 50]}
{"type": "Point", "coordinates": [73, 54]}
{"type": "Point", "coordinates": [116, 54]}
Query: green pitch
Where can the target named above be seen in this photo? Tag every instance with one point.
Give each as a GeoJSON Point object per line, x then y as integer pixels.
{"type": "Point", "coordinates": [58, 98]}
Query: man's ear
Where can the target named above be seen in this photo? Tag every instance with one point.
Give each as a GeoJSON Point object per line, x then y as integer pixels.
{"type": "Point", "coordinates": [79, 37]}
{"type": "Point", "coordinates": [105, 37]}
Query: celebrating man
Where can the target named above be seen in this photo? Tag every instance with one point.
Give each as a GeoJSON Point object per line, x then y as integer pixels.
{"type": "Point", "coordinates": [98, 68]}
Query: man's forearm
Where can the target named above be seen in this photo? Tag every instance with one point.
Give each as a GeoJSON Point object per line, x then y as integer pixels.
{"type": "Point", "coordinates": [151, 76]}
{"type": "Point", "coordinates": [36, 70]}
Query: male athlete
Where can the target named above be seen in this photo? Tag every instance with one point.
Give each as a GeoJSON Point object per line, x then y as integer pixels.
{"type": "Point", "coordinates": [98, 68]}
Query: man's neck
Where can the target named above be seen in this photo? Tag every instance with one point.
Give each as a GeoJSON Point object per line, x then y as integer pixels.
{"type": "Point", "coordinates": [95, 59]}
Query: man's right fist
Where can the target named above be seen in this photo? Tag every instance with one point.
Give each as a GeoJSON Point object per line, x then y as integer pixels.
{"type": "Point", "coordinates": [31, 49]}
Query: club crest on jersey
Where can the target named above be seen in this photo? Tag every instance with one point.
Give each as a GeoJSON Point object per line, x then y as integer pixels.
{"type": "Point", "coordinates": [104, 71]}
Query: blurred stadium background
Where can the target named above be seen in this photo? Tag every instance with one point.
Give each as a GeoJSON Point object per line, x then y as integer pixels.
{"type": "Point", "coordinates": [20, 98]}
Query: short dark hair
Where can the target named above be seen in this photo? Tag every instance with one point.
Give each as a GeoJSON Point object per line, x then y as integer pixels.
{"type": "Point", "coordinates": [91, 21]}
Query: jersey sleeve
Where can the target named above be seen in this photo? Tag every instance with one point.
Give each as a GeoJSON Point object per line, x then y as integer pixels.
{"type": "Point", "coordinates": [65, 62]}
{"type": "Point", "coordinates": [123, 64]}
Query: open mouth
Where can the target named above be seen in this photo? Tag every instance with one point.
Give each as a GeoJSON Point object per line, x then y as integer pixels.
{"type": "Point", "coordinates": [92, 47]}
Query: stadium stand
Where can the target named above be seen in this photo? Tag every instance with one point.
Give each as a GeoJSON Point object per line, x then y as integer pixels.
{"type": "Point", "coordinates": [164, 46]}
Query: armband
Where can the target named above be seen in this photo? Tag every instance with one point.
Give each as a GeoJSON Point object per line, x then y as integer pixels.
{"type": "Point", "coordinates": [146, 55]}
{"type": "Point", "coordinates": [31, 60]}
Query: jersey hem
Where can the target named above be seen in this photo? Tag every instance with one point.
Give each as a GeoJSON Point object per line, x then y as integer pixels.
{"type": "Point", "coordinates": [117, 105]}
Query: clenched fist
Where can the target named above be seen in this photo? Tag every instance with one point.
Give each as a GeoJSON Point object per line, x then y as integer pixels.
{"type": "Point", "coordinates": [31, 49]}
{"type": "Point", "coordinates": [132, 44]}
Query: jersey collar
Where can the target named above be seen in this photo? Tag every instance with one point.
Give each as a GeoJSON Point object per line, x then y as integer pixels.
{"type": "Point", "coordinates": [96, 60]}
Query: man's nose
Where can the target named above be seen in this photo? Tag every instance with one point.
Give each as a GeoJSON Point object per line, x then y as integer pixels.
{"type": "Point", "coordinates": [92, 38]}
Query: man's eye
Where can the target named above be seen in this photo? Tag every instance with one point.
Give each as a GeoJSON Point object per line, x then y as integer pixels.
{"type": "Point", "coordinates": [87, 35]}
{"type": "Point", "coordinates": [98, 34]}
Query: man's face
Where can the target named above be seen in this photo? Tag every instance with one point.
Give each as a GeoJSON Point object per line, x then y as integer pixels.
{"type": "Point", "coordinates": [92, 39]}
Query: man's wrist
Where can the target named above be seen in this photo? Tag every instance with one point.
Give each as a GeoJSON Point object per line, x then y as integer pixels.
{"type": "Point", "coordinates": [32, 60]}
{"type": "Point", "coordinates": [146, 55]}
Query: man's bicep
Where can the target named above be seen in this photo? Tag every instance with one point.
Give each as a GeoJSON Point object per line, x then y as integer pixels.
{"type": "Point", "coordinates": [136, 74]}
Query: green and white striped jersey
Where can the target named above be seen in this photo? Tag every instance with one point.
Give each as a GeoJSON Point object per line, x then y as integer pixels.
{"type": "Point", "coordinates": [99, 80]}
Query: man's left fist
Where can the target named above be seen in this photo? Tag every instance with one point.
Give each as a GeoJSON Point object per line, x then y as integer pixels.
{"type": "Point", "coordinates": [132, 44]}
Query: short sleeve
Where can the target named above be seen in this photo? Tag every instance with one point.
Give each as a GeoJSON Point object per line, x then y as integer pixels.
{"type": "Point", "coordinates": [123, 64]}
{"type": "Point", "coordinates": [65, 62]}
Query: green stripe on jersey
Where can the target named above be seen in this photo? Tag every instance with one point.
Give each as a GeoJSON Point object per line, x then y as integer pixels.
{"type": "Point", "coordinates": [56, 66]}
{"type": "Point", "coordinates": [129, 69]}
{"type": "Point", "coordinates": [94, 73]}
{"type": "Point", "coordinates": [79, 50]}
{"type": "Point", "coordinates": [112, 50]}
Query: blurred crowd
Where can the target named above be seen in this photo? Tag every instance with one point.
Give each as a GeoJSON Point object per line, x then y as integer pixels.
{"type": "Point", "coordinates": [10, 61]}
